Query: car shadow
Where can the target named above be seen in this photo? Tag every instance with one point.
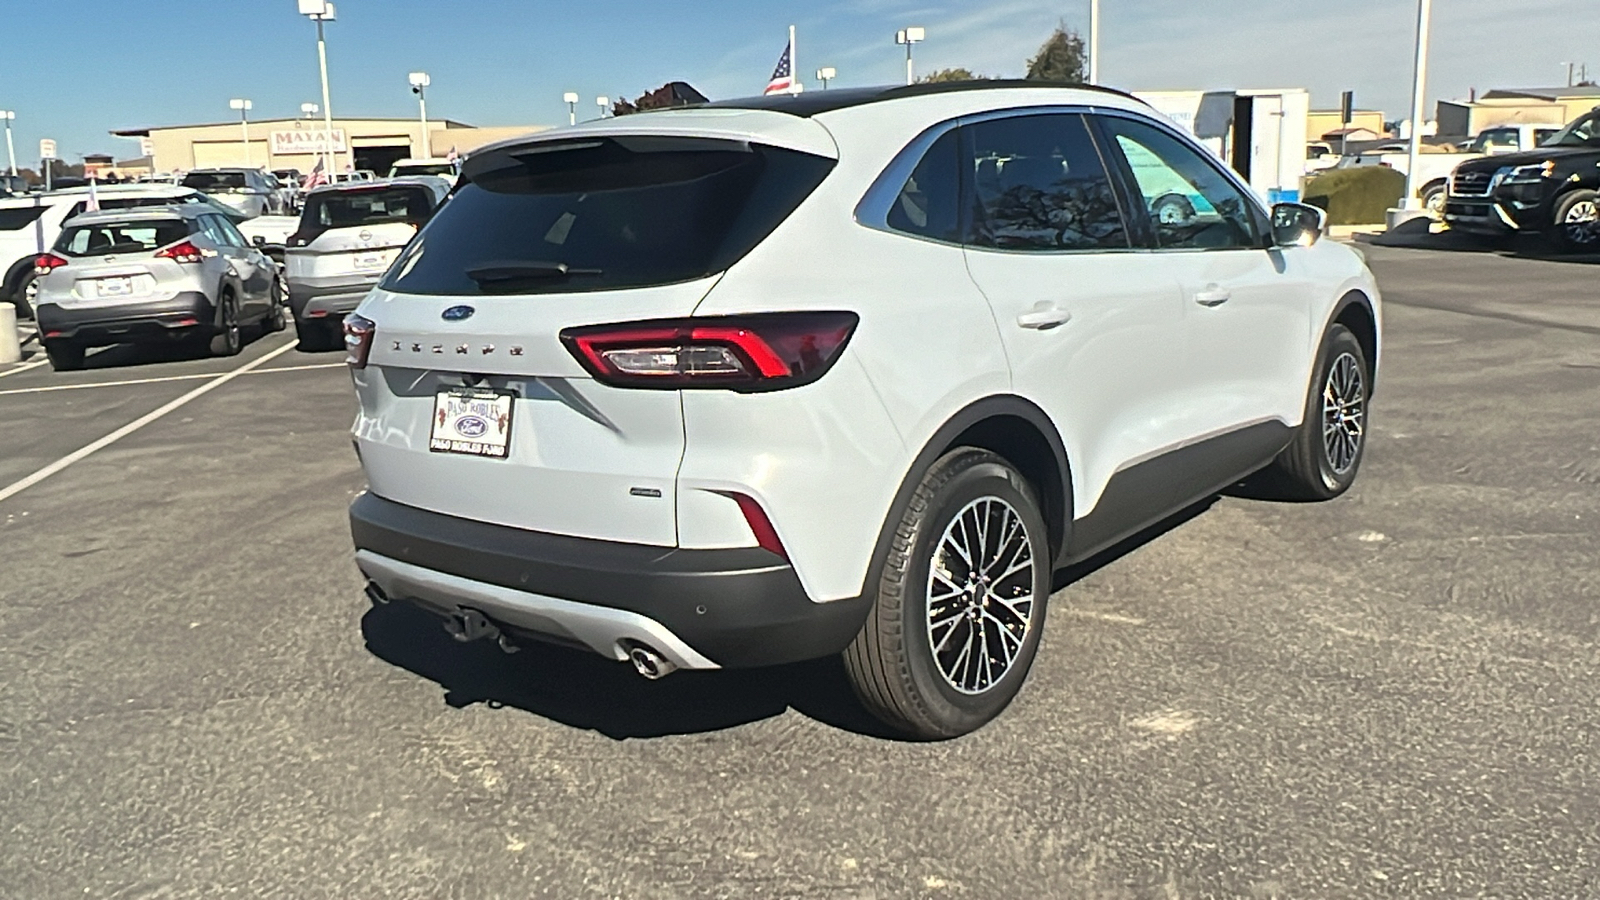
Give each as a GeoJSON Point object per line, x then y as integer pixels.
{"type": "Point", "coordinates": [1081, 570]}
{"type": "Point", "coordinates": [122, 356]}
{"type": "Point", "coordinates": [583, 690]}
{"type": "Point", "coordinates": [1417, 235]}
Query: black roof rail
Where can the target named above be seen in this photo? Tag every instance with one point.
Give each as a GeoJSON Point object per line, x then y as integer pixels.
{"type": "Point", "coordinates": [812, 103]}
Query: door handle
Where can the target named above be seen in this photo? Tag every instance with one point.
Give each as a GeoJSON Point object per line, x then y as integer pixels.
{"type": "Point", "coordinates": [1044, 317]}
{"type": "Point", "coordinates": [1213, 297]}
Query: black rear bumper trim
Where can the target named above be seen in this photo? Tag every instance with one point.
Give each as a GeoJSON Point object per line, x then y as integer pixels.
{"type": "Point", "coordinates": [154, 320]}
{"type": "Point", "coordinates": [739, 607]}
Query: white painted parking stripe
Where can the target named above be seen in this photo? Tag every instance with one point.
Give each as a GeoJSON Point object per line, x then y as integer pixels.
{"type": "Point", "coordinates": [17, 487]}
{"type": "Point", "coordinates": [133, 381]}
{"type": "Point", "coordinates": [24, 367]}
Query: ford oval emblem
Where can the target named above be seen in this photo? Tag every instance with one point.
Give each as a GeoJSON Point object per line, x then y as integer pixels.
{"type": "Point", "coordinates": [471, 426]}
{"type": "Point", "coordinates": [458, 313]}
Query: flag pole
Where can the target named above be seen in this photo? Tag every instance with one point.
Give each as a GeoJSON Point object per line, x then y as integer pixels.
{"type": "Point", "coordinates": [794, 65]}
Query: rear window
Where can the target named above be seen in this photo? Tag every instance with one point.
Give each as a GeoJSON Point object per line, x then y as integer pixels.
{"type": "Point", "coordinates": [121, 237]}
{"type": "Point", "coordinates": [214, 181]}
{"type": "Point", "coordinates": [375, 206]}
{"type": "Point", "coordinates": [598, 214]}
{"type": "Point", "coordinates": [21, 217]}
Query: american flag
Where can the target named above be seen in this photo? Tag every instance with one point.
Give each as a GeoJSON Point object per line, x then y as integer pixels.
{"type": "Point", "coordinates": [316, 177]}
{"type": "Point", "coordinates": [783, 75]}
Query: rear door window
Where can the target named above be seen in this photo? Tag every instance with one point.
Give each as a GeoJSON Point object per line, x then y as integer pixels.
{"type": "Point", "coordinates": [18, 218]}
{"type": "Point", "coordinates": [605, 213]}
{"type": "Point", "coordinates": [1039, 185]}
{"type": "Point", "coordinates": [929, 203]}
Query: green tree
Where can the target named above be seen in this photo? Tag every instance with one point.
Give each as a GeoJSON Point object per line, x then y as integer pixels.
{"type": "Point", "coordinates": [1062, 57]}
{"type": "Point", "coordinates": [957, 74]}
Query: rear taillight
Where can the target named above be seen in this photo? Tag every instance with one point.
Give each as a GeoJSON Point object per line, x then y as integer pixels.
{"type": "Point", "coordinates": [742, 353]}
{"type": "Point", "coordinates": [184, 252]}
{"type": "Point", "coordinates": [43, 263]}
{"type": "Point", "coordinates": [358, 332]}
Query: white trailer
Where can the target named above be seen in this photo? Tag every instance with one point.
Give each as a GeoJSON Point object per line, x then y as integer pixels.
{"type": "Point", "coordinates": [1260, 133]}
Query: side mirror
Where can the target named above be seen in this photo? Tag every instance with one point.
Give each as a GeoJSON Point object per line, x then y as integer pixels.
{"type": "Point", "coordinates": [1298, 225]}
{"type": "Point", "coordinates": [260, 241]}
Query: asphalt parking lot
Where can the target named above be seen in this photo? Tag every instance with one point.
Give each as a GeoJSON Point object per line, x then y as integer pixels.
{"type": "Point", "coordinates": [1391, 695]}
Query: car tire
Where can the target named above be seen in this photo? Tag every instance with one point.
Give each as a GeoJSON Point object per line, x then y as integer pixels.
{"type": "Point", "coordinates": [1433, 198]}
{"type": "Point", "coordinates": [1576, 224]}
{"type": "Point", "coordinates": [226, 340]}
{"type": "Point", "coordinates": [905, 664]}
{"type": "Point", "coordinates": [27, 290]}
{"type": "Point", "coordinates": [277, 318]}
{"type": "Point", "coordinates": [64, 357]}
{"type": "Point", "coordinates": [1322, 461]}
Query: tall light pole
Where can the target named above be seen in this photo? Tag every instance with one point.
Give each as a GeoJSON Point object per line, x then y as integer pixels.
{"type": "Point", "coordinates": [11, 149]}
{"type": "Point", "coordinates": [1570, 67]}
{"type": "Point", "coordinates": [826, 74]}
{"type": "Point", "coordinates": [570, 98]}
{"type": "Point", "coordinates": [604, 103]}
{"type": "Point", "coordinates": [321, 11]}
{"type": "Point", "coordinates": [1094, 41]}
{"type": "Point", "coordinates": [243, 106]}
{"type": "Point", "coordinates": [1424, 19]}
{"type": "Point", "coordinates": [419, 86]}
{"type": "Point", "coordinates": [910, 37]}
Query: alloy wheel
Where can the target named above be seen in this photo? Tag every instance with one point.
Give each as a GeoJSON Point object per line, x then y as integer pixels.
{"type": "Point", "coordinates": [1582, 222]}
{"type": "Point", "coordinates": [1344, 411]}
{"type": "Point", "coordinates": [980, 595]}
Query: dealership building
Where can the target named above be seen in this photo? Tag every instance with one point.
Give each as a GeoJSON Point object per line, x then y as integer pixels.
{"type": "Point", "coordinates": [373, 144]}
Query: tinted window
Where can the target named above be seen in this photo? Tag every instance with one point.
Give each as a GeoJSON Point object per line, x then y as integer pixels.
{"type": "Point", "coordinates": [594, 214]}
{"type": "Point", "coordinates": [929, 204]}
{"type": "Point", "coordinates": [212, 227]}
{"type": "Point", "coordinates": [121, 237]}
{"type": "Point", "coordinates": [1191, 203]}
{"type": "Point", "coordinates": [18, 218]}
{"type": "Point", "coordinates": [230, 233]}
{"type": "Point", "coordinates": [347, 209]}
{"type": "Point", "coordinates": [1039, 185]}
{"type": "Point", "coordinates": [424, 169]}
{"type": "Point", "coordinates": [214, 181]}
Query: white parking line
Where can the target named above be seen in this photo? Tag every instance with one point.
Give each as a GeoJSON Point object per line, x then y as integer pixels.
{"type": "Point", "coordinates": [133, 381]}
{"type": "Point", "coordinates": [19, 486]}
{"type": "Point", "coordinates": [24, 367]}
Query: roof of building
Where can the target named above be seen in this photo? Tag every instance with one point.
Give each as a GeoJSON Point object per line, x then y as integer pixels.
{"type": "Point", "coordinates": [1549, 93]}
{"type": "Point", "coordinates": [145, 132]}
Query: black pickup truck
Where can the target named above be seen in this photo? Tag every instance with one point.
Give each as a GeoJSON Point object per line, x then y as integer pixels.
{"type": "Point", "coordinates": [1550, 190]}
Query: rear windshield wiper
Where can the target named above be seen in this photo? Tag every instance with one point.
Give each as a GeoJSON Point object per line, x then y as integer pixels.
{"type": "Point", "coordinates": [495, 274]}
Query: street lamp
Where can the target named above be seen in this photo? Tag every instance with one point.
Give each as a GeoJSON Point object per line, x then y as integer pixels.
{"type": "Point", "coordinates": [11, 150]}
{"type": "Point", "coordinates": [571, 99]}
{"type": "Point", "coordinates": [321, 11]}
{"type": "Point", "coordinates": [243, 106]}
{"type": "Point", "coordinates": [910, 37]}
{"type": "Point", "coordinates": [1424, 16]}
{"type": "Point", "coordinates": [419, 86]}
{"type": "Point", "coordinates": [604, 103]}
{"type": "Point", "coordinates": [825, 75]}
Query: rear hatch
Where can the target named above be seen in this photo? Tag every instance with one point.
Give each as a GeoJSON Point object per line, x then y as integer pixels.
{"type": "Point", "coordinates": [115, 263]}
{"type": "Point", "coordinates": [546, 235]}
{"type": "Point", "coordinates": [347, 238]}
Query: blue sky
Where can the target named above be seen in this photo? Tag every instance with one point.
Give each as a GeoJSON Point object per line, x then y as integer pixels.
{"type": "Point", "coordinates": [507, 62]}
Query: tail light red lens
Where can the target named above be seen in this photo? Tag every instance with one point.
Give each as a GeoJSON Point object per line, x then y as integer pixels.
{"type": "Point", "coordinates": [760, 525]}
{"type": "Point", "coordinates": [184, 252]}
{"type": "Point", "coordinates": [764, 352]}
{"type": "Point", "coordinates": [43, 263]}
{"type": "Point", "coordinates": [358, 333]}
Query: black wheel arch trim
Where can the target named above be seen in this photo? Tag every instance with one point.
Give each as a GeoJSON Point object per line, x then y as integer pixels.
{"type": "Point", "coordinates": [1359, 299]}
{"type": "Point", "coordinates": [1058, 503]}
{"type": "Point", "coordinates": [14, 275]}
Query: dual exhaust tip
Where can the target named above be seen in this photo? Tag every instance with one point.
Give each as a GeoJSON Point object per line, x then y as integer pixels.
{"type": "Point", "coordinates": [470, 625]}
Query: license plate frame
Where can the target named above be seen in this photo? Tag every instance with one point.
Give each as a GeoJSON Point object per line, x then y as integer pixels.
{"type": "Point", "coordinates": [472, 421]}
{"type": "Point", "coordinates": [375, 261]}
{"type": "Point", "coordinates": [122, 283]}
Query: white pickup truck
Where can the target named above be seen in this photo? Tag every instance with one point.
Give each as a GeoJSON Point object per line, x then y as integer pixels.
{"type": "Point", "coordinates": [1435, 168]}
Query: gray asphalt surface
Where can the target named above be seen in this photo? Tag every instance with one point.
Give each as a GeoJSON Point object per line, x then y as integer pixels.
{"type": "Point", "coordinates": [1390, 695]}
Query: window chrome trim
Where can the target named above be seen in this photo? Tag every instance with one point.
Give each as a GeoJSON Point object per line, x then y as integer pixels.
{"type": "Point", "coordinates": [872, 210]}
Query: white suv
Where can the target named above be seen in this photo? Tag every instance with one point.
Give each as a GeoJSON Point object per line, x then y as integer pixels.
{"type": "Point", "coordinates": [848, 372]}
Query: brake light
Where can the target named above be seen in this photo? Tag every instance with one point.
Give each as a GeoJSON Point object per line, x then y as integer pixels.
{"type": "Point", "coordinates": [43, 263]}
{"type": "Point", "coordinates": [358, 332]}
{"type": "Point", "coordinates": [742, 353]}
{"type": "Point", "coordinates": [184, 252]}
